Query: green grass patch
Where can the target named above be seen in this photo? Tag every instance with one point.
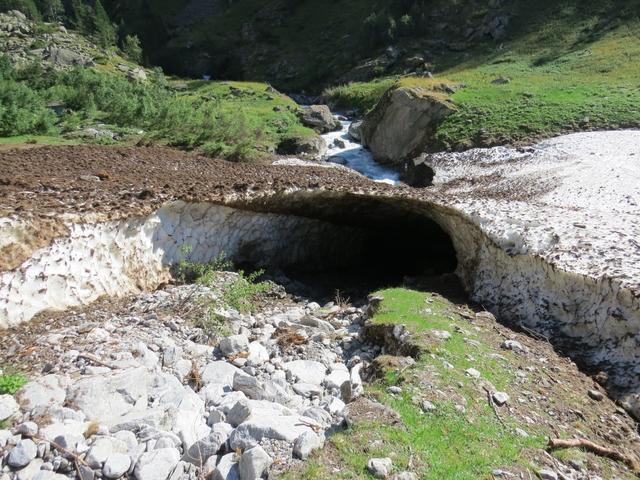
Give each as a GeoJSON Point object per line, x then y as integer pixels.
{"type": "Point", "coordinates": [423, 312]}
{"type": "Point", "coordinates": [361, 96]}
{"type": "Point", "coordinates": [11, 383]}
{"type": "Point", "coordinates": [445, 443]}
{"type": "Point", "coordinates": [441, 445]}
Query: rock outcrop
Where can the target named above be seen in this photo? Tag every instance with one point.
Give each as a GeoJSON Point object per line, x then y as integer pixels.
{"type": "Point", "coordinates": [58, 48]}
{"type": "Point", "coordinates": [403, 123]}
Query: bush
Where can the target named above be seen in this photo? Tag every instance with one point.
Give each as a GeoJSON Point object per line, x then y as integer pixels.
{"type": "Point", "coordinates": [132, 48]}
{"type": "Point", "coordinates": [240, 294]}
{"type": "Point", "coordinates": [22, 111]}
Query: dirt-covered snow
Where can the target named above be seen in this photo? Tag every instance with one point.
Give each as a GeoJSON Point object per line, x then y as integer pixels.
{"type": "Point", "coordinates": [575, 200]}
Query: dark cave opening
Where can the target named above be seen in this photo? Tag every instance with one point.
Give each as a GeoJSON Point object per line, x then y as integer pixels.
{"type": "Point", "coordinates": [367, 243]}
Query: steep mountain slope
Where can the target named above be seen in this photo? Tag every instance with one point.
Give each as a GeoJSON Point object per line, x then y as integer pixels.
{"type": "Point", "coordinates": [306, 44]}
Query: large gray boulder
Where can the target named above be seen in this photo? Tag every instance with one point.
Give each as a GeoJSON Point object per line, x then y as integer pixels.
{"type": "Point", "coordinates": [65, 57]}
{"type": "Point", "coordinates": [320, 118]}
{"type": "Point", "coordinates": [253, 463]}
{"type": "Point", "coordinates": [403, 123]}
{"type": "Point", "coordinates": [156, 464]}
{"type": "Point", "coordinates": [307, 371]}
{"type": "Point", "coordinates": [310, 147]}
{"type": "Point", "coordinates": [8, 407]}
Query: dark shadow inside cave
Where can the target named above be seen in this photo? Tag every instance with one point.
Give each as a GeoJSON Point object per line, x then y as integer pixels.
{"type": "Point", "coordinates": [368, 243]}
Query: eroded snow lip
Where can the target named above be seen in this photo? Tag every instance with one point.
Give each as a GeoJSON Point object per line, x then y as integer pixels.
{"type": "Point", "coordinates": [574, 199]}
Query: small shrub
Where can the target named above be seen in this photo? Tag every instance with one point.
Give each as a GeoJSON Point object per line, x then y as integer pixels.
{"type": "Point", "coordinates": [212, 324]}
{"type": "Point", "coordinates": [10, 384]}
{"type": "Point", "coordinates": [132, 48]}
{"type": "Point", "coordinates": [201, 273]}
{"type": "Point", "coordinates": [240, 294]}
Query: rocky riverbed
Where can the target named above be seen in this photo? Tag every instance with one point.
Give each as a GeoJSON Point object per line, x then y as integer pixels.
{"type": "Point", "coordinates": [132, 388]}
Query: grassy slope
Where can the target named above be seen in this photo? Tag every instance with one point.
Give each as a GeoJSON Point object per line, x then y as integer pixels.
{"type": "Point", "coordinates": [447, 443]}
{"type": "Point", "coordinates": [574, 71]}
{"type": "Point", "coordinates": [443, 444]}
{"type": "Point", "coordinates": [269, 112]}
{"type": "Point", "coordinates": [268, 117]}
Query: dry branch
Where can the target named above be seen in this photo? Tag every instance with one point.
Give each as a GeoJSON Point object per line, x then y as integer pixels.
{"type": "Point", "coordinates": [96, 360]}
{"type": "Point", "coordinates": [596, 449]}
{"type": "Point", "coordinates": [493, 406]}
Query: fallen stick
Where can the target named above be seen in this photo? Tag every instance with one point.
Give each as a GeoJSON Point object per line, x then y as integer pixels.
{"type": "Point", "coordinates": [596, 449]}
{"type": "Point", "coordinates": [96, 360]}
{"type": "Point", "coordinates": [493, 406]}
{"type": "Point", "coordinates": [76, 458]}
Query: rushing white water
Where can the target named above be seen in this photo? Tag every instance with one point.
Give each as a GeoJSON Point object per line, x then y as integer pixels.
{"type": "Point", "coordinates": [355, 156]}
